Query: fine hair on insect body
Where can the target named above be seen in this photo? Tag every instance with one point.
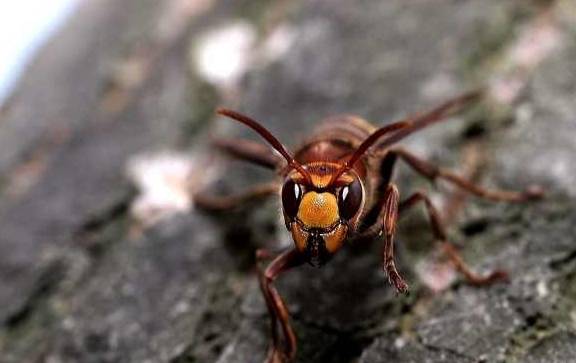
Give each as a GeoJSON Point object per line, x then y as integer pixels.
{"type": "Point", "coordinates": [338, 187]}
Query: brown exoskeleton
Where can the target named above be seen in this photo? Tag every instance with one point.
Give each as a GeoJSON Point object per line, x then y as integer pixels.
{"type": "Point", "coordinates": [337, 187]}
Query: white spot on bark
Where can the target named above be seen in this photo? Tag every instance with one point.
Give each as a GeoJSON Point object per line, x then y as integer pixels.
{"type": "Point", "coordinates": [223, 55]}
{"type": "Point", "coordinates": [166, 182]}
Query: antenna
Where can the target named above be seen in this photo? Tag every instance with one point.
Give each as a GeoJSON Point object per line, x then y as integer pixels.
{"type": "Point", "coordinates": [366, 145]}
{"type": "Point", "coordinates": [407, 127]}
{"type": "Point", "coordinates": [273, 141]}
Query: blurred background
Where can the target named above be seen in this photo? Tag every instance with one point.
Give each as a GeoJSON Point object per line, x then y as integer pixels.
{"type": "Point", "coordinates": [24, 28]}
{"type": "Point", "coordinates": [106, 117]}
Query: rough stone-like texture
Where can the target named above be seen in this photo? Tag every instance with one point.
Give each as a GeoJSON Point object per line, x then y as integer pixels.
{"type": "Point", "coordinates": [81, 281]}
{"type": "Point", "coordinates": [558, 348]}
{"type": "Point", "coordinates": [542, 141]}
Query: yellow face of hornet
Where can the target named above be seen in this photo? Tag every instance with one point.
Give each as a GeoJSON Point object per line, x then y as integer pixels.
{"type": "Point", "coordinates": [319, 217]}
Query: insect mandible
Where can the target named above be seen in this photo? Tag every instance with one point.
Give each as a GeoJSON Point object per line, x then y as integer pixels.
{"type": "Point", "coordinates": [338, 187]}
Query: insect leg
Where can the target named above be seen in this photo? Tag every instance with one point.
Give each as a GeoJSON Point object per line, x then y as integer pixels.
{"type": "Point", "coordinates": [389, 220]}
{"type": "Point", "coordinates": [250, 151]}
{"type": "Point", "coordinates": [218, 203]}
{"type": "Point", "coordinates": [433, 172]}
{"type": "Point", "coordinates": [276, 308]}
{"type": "Point", "coordinates": [448, 248]}
{"type": "Point", "coordinates": [371, 221]}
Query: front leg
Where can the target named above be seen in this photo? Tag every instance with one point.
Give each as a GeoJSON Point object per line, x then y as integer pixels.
{"type": "Point", "coordinates": [283, 348]}
{"type": "Point", "coordinates": [389, 220]}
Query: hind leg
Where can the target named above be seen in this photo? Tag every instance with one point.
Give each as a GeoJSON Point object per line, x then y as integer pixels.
{"type": "Point", "coordinates": [433, 172]}
{"type": "Point", "coordinates": [448, 248]}
{"type": "Point", "coordinates": [223, 203]}
{"type": "Point", "coordinates": [249, 151]}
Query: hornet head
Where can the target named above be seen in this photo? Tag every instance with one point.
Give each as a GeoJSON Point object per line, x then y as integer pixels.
{"type": "Point", "coordinates": [320, 214]}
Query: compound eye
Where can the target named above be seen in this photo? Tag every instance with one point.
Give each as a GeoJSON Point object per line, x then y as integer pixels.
{"type": "Point", "coordinates": [350, 199]}
{"type": "Point", "coordinates": [291, 197]}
